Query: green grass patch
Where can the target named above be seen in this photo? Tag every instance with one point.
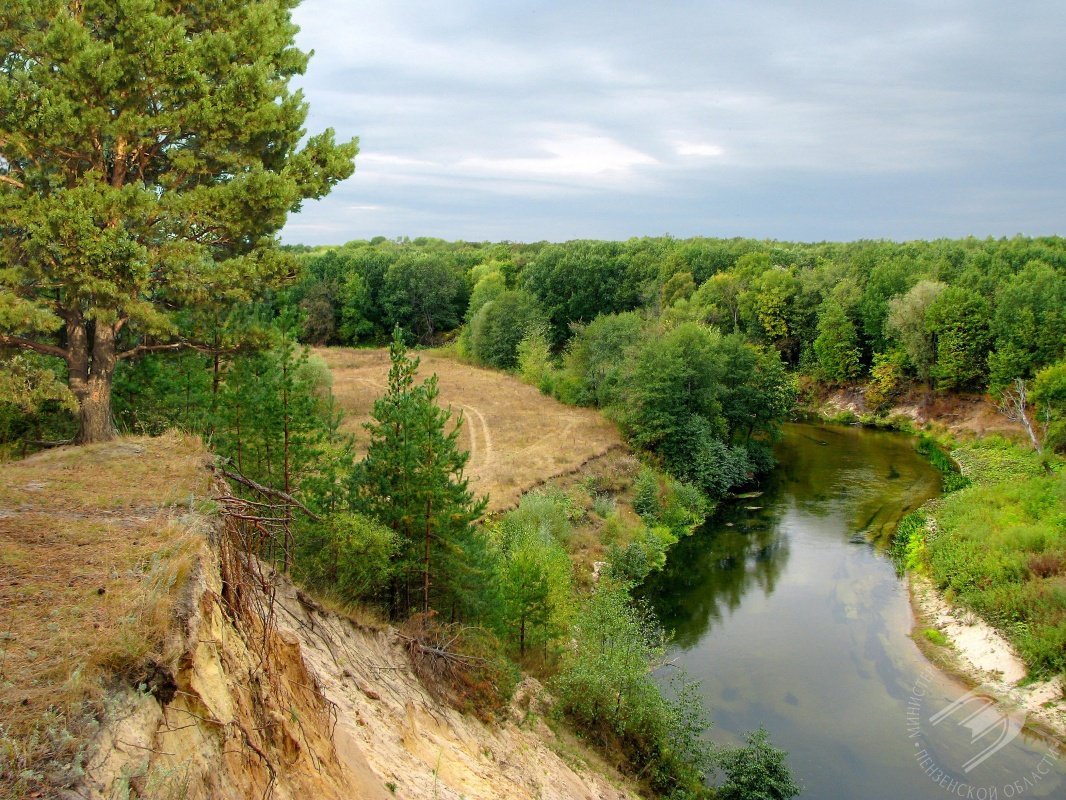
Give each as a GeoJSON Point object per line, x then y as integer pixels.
{"type": "Point", "coordinates": [999, 548]}
{"type": "Point", "coordinates": [936, 637]}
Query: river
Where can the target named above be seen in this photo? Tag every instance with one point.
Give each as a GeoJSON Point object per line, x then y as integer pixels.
{"type": "Point", "coordinates": [791, 619]}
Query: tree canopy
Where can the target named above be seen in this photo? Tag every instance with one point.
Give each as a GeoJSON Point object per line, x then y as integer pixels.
{"type": "Point", "coordinates": [149, 154]}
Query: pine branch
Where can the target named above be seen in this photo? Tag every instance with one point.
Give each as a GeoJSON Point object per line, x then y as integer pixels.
{"type": "Point", "coordinates": [29, 344]}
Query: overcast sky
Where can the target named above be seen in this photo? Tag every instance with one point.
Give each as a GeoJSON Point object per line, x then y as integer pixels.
{"type": "Point", "coordinates": [816, 120]}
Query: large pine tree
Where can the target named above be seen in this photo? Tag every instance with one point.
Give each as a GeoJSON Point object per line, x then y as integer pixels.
{"type": "Point", "coordinates": [150, 151]}
{"type": "Point", "coordinates": [412, 478]}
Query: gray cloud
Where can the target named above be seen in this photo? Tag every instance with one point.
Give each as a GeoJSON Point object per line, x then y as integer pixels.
{"type": "Point", "coordinates": [803, 120]}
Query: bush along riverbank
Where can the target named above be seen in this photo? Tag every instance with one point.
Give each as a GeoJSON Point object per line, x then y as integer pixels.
{"type": "Point", "coordinates": [986, 563]}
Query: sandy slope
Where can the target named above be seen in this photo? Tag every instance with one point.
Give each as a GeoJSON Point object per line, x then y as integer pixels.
{"type": "Point", "coordinates": [984, 657]}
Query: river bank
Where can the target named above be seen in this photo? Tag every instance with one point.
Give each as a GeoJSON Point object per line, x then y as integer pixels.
{"type": "Point", "coordinates": [978, 655]}
{"type": "Point", "coordinates": [953, 637]}
{"type": "Point", "coordinates": [791, 617]}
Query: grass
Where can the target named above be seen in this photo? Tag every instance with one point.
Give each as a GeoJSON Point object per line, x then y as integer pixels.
{"type": "Point", "coordinates": [94, 544]}
{"type": "Point", "coordinates": [999, 547]}
{"type": "Point", "coordinates": [517, 436]}
{"type": "Point", "coordinates": [936, 637]}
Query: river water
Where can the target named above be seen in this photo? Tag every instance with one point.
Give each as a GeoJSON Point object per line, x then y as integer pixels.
{"type": "Point", "coordinates": [790, 619]}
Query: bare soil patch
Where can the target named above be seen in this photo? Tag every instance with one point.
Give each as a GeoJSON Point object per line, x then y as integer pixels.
{"type": "Point", "coordinates": [518, 438]}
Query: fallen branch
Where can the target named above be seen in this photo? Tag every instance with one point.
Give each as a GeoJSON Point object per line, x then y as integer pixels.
{"type": "Point", "coordinates": [266, 490]}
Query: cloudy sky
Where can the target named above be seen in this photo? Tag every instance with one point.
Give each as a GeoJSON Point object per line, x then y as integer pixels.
{"type": "Point", "coordinates": [824, 119]}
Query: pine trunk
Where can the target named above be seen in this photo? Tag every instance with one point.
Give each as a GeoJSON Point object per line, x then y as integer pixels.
{"type": "Point", "coordinates": [92, 368]}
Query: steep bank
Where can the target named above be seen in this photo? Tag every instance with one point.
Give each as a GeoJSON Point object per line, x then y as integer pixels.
{"type": "Point", "coordinates": [140, 660]}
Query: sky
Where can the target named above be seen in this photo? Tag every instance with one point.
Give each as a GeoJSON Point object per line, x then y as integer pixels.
{"type": "Point", "coordinates": [820, 120]}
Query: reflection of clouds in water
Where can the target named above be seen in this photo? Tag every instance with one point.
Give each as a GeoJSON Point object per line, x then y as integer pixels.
{"type": "Point", "coordinates": [788, 625]}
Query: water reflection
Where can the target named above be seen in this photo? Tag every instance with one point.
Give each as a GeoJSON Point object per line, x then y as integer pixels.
{"type": "Point", "coordinates": [710, 572]}
{"type": "Point", "coordinates": [790, 616]}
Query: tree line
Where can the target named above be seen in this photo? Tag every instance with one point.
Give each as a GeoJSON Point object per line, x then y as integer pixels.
{"type": "Point", "coordinates": [834, 310]}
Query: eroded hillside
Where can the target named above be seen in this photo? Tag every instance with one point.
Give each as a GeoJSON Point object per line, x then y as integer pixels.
{"type": "Point", "coordinates": [136, 661]}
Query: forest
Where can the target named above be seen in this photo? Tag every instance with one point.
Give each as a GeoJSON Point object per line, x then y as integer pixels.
{"type": "Point", "coordinates": [698, 349]}
{"type": "Point", "coordinates": [143, 287]}
{"type": "Point", "coordinates": [971, 315]}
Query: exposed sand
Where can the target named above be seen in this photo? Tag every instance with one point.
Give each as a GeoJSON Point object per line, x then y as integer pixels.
{"type": "Point", "coordinates": [981, 655]}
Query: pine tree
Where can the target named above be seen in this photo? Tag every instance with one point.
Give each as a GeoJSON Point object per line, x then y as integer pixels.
{"type": "Point", "coordinates": [412, 477]}
{"type": "Point", "coordinates": [149, 153]}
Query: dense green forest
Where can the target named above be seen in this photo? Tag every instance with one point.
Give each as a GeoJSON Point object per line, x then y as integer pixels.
{"type": "Point", "coordinates": [951, 315]}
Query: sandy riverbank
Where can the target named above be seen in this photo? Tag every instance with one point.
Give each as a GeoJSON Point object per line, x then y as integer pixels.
{"type": "Point", "coordinates": [978, 654]}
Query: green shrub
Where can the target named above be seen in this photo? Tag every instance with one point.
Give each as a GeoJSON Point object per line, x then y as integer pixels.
{"type": "Point", "coordinates": [936, 637]}
{"type": "Point", "coordinates": [606, 689]}
{"type": "Point", "coordinates": [348, 555]}
{"type": "Point", "coordinates": [646, 493]}
{"type": "Point", "coordinates": [500, 325]}
{"type": "Point", "coordinates": [952, 479]}
{"type": "Point", "coordinates": [548, 509]}
{"type": "Point", "coordinates": [755, 772]}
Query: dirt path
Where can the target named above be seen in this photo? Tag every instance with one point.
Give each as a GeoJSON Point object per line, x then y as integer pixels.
{"type": "Point", "coordinates": [517, 437]}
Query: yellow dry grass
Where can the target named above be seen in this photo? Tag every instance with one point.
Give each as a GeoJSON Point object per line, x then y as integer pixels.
{"type": "Point", "coordinates": [94, 543]}
{"type": "Point", "coordinates": [517, 437]}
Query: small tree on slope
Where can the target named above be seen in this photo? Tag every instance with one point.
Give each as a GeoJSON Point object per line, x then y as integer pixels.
{"type": "Point", "coordinates": [149, 153]}
{"type": "Point", "coordinates": [412, 477]}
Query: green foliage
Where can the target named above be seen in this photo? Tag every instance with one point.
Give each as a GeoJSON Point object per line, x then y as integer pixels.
{"type": "Point", "coordinates": [769, 302]}
{"type": "Point", "coordinates": [953, 480]}
{"type": "Point", "coordinates": [680, 286]}
{"type": "Point", "coordinates": [906, 326]}
{"type": "Point", "coordinates": [577, 282]}
{"type": "Point", "coordinates": [958, 320]}
{"type": "Point", "coordinates": [549, 510]}
{"type": "Point", "coordinates": [487, 289]}
{"type": "Point", "coordinates": [534, 359]}
{"type": "Point", "coordinates": [423, 294]}
{"type": "Point", "coordinates": [646, 493]}
{"type": "Point", "coordinates": [166, 191]}
{"type": "Point", "coordinates": [674, 382]}
{"type": "Point", "coordinates": [1049, 395]}
{"type": "Point", "coordinates": [604, 686]}
{"type": "Point", "coordinates": [597, 355]}
{"type": "Point", "coordinates": [936, 637]}
{"type": "Point", "coordinates": [908, 542]}
{"type": "Point", "coordinates": [837, 345]}
{"type": "Point", "coordinates": [500, 325]}
{"type": "Point", "coordinates": [412, 481]}
{"type": "Point", "coordinates": [1029, 323]}
{"type": "Point", "coordinates": [347, 555]}
{"type": "Point", "coordinates": [154, 394]}
{"type": "Point", "coordinates": [534, 578]}
{"type": "Point", "coordinates": [755, 772]}
{"type": "Point", "coordinates": [34, 399]}
{"type": "Point", "coordinates": [886, 379]}
{"type": "Point", "coordinates": [1000, 549]}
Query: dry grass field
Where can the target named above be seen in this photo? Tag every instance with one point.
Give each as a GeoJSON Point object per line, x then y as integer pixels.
{"type": "Point", "coordinates": [93, 542]}
{"type": "Point", "coordinates": [518, 438]}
